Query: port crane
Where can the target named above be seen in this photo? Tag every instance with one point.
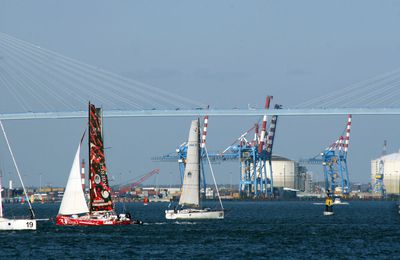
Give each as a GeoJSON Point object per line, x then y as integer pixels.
{"type": "Point", "coordinates": [253, 156]}
{"type": "Point", "coordinates": [126, 188]}
{"type": "Point", "coordinates": [379, 186]}
{"type": "Point", "coordinates": [334, 162]}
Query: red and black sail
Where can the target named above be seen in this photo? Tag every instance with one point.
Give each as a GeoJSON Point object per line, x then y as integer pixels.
{"type": "Point", "coordinates": [100, 192]}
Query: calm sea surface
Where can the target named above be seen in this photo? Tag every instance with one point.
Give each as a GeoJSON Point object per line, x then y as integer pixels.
{"type": "Point", "coordinates": [250, 229]}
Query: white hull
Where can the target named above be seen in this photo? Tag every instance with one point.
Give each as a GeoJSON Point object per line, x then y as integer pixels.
{"type": "Point", "coordinates": [194, 214]}
{"type": "Point", "coordinates": [328, 213]}
{"type": "Point", "coordinates": [17, 224]}
{"type": "Point", "coordinates": [337, 201]}
{"type": "Point", "coordinates": [334, 203]}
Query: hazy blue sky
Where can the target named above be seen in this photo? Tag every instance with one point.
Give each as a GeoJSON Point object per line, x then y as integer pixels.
{"type": "Point", "coordinates": [222, 53]}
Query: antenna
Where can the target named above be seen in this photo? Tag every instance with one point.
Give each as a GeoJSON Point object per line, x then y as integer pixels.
{"type": "Point", "coordinates": [384, 148]}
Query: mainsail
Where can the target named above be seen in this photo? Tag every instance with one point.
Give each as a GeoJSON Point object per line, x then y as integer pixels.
{"type": "Point", "coordinates": [73, 201]}
{"type": "Point", "coordinates": [100, 192]}
{"type": "Point", "coordinates": [190, 195]}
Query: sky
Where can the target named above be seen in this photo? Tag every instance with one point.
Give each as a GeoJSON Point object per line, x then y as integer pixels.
{"type": "Point", "coordinates": [222, 53]}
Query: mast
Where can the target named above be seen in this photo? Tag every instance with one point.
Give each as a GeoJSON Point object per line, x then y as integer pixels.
{"type": "Point", "coordinates": [17, 169]}
{"type": "Point", "coordinates": [89, 163]}
{"type": "Point", "coordinates": [199, 158]}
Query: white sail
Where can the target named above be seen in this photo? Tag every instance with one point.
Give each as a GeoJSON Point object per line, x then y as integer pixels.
{"type": "Point", "coordinates": [190, 195]}
{"type": "Point", "coordinates": [73, 201]}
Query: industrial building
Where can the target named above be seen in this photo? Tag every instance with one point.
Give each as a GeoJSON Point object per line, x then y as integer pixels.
{"type": "Point", "coordinates": [287, 173]}
{"type": "Point", "coordinates": [391, 172]}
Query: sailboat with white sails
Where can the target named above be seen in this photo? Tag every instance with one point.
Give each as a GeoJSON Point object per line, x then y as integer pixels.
{"type": "Point", "coordinates": [73, 209]}
{"type": "Point", "coordinates": [16, 224]}
{"type": "Point", "coordinates": [189, 203]}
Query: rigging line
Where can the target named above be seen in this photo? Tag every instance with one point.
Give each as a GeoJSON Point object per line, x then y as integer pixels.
{"type": "Point", "coordinates": [45, 70]}
{"type": "Point", "coordinates": [105, 72]}
{"type": "Point", "coordinates": [18, 79]}
{"type": "Point", "coordinates": [381, 97]}
{"type": "Point", "coordinates": [41, 60]}
{"type": "Point", "coordinates": [364, 97]}
{"type": "Point", "coordinates": [10, 88]}
{"type": "Point", "coordinates": [354, 94]}
{"type": "Point", "coordinates": [378, 89]}
{"type": "Point", "coordinates": [128, 93]}
{"type": "Point", "coordinates": [41, 83]}
{"type": "Point", "coordinates": [361, 86]}
{"type": "Point", "coordinates": [78, 79]}
{"type": "Point", "coordinates": [347, 100]}
{"type": "Point", "coordinates": [393, 98]}
{"type": "Point", "coordinates": [22, 57]}
{"type": "Point", "coordinates": [387, 96]}
{"type": "Point", "coordinates": [370, 100]}
{"type": "Point", "coordinates": [17, 169]}
{"type": "Point", "coordinates": [212, 174]}
{"type": "Point", "coordinates": [351, 87]}
{"type": "Point", "coordinates": [53, 58]}
{"type": "Point", "coordinates": [119, 97]}
{"type": "Point", "coordinates": [90, 84]}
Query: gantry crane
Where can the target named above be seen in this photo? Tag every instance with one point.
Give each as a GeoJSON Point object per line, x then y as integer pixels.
{"type": "Point", "coordinates": [253, 156]}
{"type": "Point", "coordinates": [334, 162]}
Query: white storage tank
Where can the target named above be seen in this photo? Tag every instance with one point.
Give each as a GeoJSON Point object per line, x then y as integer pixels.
{"type": "Point", "coordinates": [287, 173]}
{"type": "Point", "coordinates": [391, 172]}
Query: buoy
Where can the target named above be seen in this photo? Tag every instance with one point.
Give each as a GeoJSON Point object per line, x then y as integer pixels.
{"type": "Point", "coordinates": [328, 205]}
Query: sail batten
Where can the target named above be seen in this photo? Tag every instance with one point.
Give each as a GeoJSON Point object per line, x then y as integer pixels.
{"type": "Point", "coordinates": [190, 195]}
{"type": "Point", "coordinates": [73, 201]}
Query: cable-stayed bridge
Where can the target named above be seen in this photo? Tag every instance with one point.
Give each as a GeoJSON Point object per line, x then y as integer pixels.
{"type": "Point", "coordinates": [37, 83]}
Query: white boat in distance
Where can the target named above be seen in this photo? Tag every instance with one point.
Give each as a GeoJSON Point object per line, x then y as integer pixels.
{"type": "Point", "coordinates": [336, 201]}
{"type": "Point", "coordinates": [189, 203]}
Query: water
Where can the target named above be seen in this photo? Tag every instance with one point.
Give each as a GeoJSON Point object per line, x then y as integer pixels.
{"type": "Point", "coordinates": [250, 229]}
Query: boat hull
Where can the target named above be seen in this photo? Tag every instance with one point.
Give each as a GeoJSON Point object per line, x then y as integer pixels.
{"type": "Point", "coordinates": [17, 224]}
{"type": "Point", "coordinates": [194, 214]}
{"type": "Point", "coordinates": [90, 221]}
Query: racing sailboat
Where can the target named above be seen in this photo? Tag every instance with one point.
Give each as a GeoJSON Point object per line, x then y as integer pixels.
{"type": "Point", "coordinates": [189, 203]}
{"type": "Point", "coordinates": [16, 224]}
{"type": "Point", "coordinates": [73, 209]}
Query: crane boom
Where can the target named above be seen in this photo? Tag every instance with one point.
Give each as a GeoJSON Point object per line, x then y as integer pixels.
{"type": "Point", "coordinates": [125, 189]}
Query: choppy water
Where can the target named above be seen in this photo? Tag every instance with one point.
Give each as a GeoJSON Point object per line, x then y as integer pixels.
{"type": "Point", "coordinates": [250, 229]}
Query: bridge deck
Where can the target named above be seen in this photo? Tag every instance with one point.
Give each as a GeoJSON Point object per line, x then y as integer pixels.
{"type": "Point", "coordinates": [201, 112]}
